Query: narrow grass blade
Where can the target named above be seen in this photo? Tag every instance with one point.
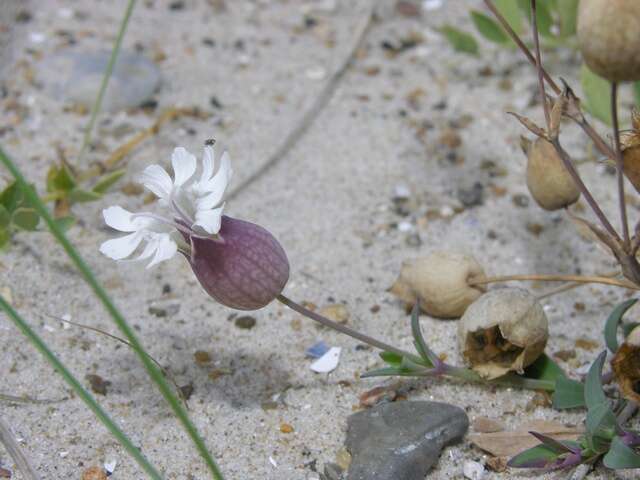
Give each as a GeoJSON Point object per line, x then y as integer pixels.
{"type": "Point", "coordinates": [122, 324]}
{"type": "Point", "coordinates": [79, 390]}
{"type": "Point", "coordinates": [105, 79]}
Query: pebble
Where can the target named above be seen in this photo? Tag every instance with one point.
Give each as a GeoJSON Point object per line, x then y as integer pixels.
{"type": "Point", "coordinates": [246, 322]}
{"type": "Point", "coordinates": [332, 471]}
{"type": "Point", "coordinates": [413, 240]}
{"type": "Point", "coordinates": [164, 310]}
{"type": "Point", "coordinates": [75, 77]}
{"type": "Point", "coordinates": [520, 200]}
{"type": "Point", "coordinates": [336, 312]}
{"type": "Point", "coordinates": [401, 440]}
{"type": "Point", "coordinates": [473, 470]}
{"type": "Point", "coordinates": [472, 196]}
{"type": "Point", "coordinates": [94, 473]}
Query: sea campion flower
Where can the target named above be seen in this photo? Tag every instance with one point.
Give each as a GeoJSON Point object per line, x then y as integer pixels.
{"type": "Point", "coordinates": [239, 264]}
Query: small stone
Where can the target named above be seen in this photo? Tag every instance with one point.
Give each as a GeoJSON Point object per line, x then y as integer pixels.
{"type": "Point", "coordinates": [407, 8]}
{"type": "Point", "coordinates": [94, 473]}
{"type": "Point", "coordinates": [535, 228]}
{"type": "Point", "coordinates": [497, 464]}
{"type": "Point", "coordinates": [487, 425]}
{"type": "Point", "coordinates": [377, 395]}
{"type": "Point", "coordinates": [201, 357]}
{"type": "Point", "coordinates": [401, 440]}
{"type": "Point", "coordinates": [473, 196]}
{"type": "Point", "coordinates": [336, 312]}
{"type": "Point", "coordinates": [539, 399]}
{"type": "Point", "coordinates": [473, 470]}
{"type": "Point", "coordinates": [450, 138]}
{"type": "Point", "coordinates": [520, 200]}
{"type": "Point", "coordinates": [413, 240]}
{"type": "Point", "coordinates": [98, 384]}
{"type": "Point", "coordinates": [164, 309]}
{"type": "Point", "coordinates": [4, 473]}
{"type": "Point", "coordinates": [332, 471]}
{"type": "Point", "coordinates": [245, 322]}
{"type": "Point", "coordinates": [586, 344]}
{"type": "Point", "coordinates": [286, 428]}
{"type": "Point", "coordinates": [187, 391]}
{"type": "Point", "coordinates": [375, 308]}
{"type": "Point", "coordinates": [343, 458]}
{"type": "Point", "coordinates": [565, 355]}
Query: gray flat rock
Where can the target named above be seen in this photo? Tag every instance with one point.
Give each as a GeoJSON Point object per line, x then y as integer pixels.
{"type": "Point", "coordinates": [76, 77]}
{"type": "Point", "coordinates": [402, 440]}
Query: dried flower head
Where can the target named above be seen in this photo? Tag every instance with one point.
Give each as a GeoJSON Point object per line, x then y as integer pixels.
{"type": "Point", "coordinates": [238, 263]}
{"type": "Point", "coordinates": [626, 366]}
{"type": "Point", "coordinates": [630, 144]}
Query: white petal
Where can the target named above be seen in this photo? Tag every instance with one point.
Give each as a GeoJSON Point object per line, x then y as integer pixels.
{"type": "Point", "coordinates": [119, 248]}
{"type": "Point", "coordinates": [184, 166]}
{"type": "Point", "coordinates": [166, 249]}
{"type": "Point", "coordinates": [209, 220]}
{"type": "Point", "coordinates": [328, 362]}
{"type": "Point", "coordinates": [120, 219]}
{"type": "Point", "coordinates": [156, 179]}
{"type": "Point", "coordinates": [207, 164]}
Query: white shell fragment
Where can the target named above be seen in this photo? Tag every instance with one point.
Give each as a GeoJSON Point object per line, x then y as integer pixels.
{"type": "Point", "coordinates": [328, 362]}
{"type": "Point", "coordinates": [504, 330]}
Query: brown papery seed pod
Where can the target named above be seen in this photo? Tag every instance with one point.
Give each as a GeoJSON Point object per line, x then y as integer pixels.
{"type": "Point", "coordinates": [626, 366]}
{"type": "Point", "coordinates": [630, 144]}
{"type": "Point", "coordinates": [609, 38]}
{"type": "Point", "coordinates": [441, 281]}
{"type": "Point", "coordinates": [548, 180]}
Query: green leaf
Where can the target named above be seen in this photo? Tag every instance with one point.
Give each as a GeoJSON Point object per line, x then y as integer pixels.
{"type": "Point", "coordinates": [5, 236]}
{"type": "Point", "coordinates": [11, 197]}
{"type": "Point", "coordinates": [543, 16]}
{"type": "Point", "coordinates": [65, 223]}
{"type": "Point", "coordinates": [597, 94]}
{"type": "Point", "coordinates": [621, 456]}
{"type": "Point", "coordinates": [107, 181]}
{"type": "Point", "coordinates": [628, 327]}
{"type": "Point", "coordinates": [511, 13]}
{"type": "Point", "coordinates": [536, 457]}
{"type": "Point", "coordinates": [556, 445]}
{"type": "Point", "coordinates": [636, 92]}
{"type": "Point", "coordinates": [488, 27]}
{"type": "Point", "coordinates": [601, 426]}
{"type": "Point", "coordinates": [544, 369]}
{"type": "Point", "coordinates": [60, 178]}
{"type": "Point", "coordinates": [25, 218]}
{"type": "Point", "coordinates": [78, 195]}
{"type": "Point", "coordinates": [611, 326]}
{"type": "Point", "coordinates": [593, 392]}
{"type": "Point", "coordinates": [389, 372]}
{"type": "Point", "coordinates": [5, 217]}
{"type": "Point", "coordinates": [459, 40]}
{"type": "Point", "coordinates": [429, 357]}
{"type": "Point", "coordinates": [568, 394]}
{"type": "Point", "coordinates": [568, 12]}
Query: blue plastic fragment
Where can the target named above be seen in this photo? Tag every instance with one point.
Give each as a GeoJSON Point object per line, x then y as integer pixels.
{"type": "Point", "coordinates": [317, 350]}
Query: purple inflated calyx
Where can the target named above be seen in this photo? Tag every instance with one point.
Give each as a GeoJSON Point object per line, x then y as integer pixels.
{"type": "Point", "coordinates": [244, 268]}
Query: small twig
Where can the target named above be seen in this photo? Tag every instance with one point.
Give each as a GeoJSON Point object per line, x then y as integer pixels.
{"type": "Point", "coordinates": [310, 115]}
{"type": "Point", "coordinates": [4, 397]}
{"type": "Point", "coordinates": [557, 278]}
{"type": "Point", "coordinates": [166, 372]}
{"type": "Point", "coordinates": [571, 286]}
{"type": "Point", "coordinates": [14, 450]}
{"type": "Point", "coordinates": [536, 43]}
{"type": "Point", "coordinates": [619, 167]}
{"type": "Point", "coordinates": [627, 412]}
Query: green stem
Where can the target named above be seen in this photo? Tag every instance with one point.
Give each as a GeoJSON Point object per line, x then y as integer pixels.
{"type": "Point", "coordinates": [122, 324]}
{"type": "Point", "coordinates": [105, 80]}
{"type": "Point", "coordinates": [79, 390]}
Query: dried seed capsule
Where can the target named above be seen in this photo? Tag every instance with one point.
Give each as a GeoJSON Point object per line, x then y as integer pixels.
{"type": "Point", "coordinates": [608, 36]}
{"type": "Point", "coordinates": [245, 268]}
{"type": "Point", "coordinates": [549, 182]}
{"type": "Point", "coordinates": [504, 330]}
{"type": "Point", "coordinates": [441, 282]}
{"type": "Point", "coordinates": [626, 366]}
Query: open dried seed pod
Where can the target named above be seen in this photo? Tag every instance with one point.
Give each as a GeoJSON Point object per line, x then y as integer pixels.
{"type": "Point", "coordinates": [630, 143]}
{"type": "Point", "coordinates": [549, 182]}
{"type": "Point", "coordinates": [504, 330]}
{"type": "Point", "coordinates": [608, 36]}
{"type": "Point", "coordinates": [626, 366]}
{"type": "Point", "coordinates": [441, 282]}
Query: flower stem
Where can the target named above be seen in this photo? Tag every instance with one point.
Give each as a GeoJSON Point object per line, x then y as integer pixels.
{"type": "Point", "coordinates": [557, 278]}
{"type": "Point", "coordinates": [343, 329]}
{"type": "Point", "coordinates": [536, 42]}
{"type": "Point", "coordinates": [619, 166]}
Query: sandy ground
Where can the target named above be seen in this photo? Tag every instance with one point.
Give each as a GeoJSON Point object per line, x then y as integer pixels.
{"type": "Point", "coordinates": [329, 201]}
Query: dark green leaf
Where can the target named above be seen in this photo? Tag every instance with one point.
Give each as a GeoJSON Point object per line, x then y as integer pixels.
{"type": "Point", "coordinates": [5, 217]}
{"type": "Point", "coordinates": [391, 358]}
{"type": "Point", "coordinates": [555, 445]}
{"type": "Point", "coordinates": [544, 369]}
{"type": "Point", "coordinates": [488, 27]}
{"type": "Point", "coordinates": [621, 456]}
{"type": "Point", "coordinates": [107, 181]}
{"type": "Point", "coordinates": [389, 372]}
{"type": "Point", "coordinates": [597, 94]}
{"type": "Point", "coordinates": [601, 426]}
{"type": "Point", "coordinates": [459, 40]}
{"type": "Point", "coordinates": [429, 357]}
{"type": "Point", "coordinates": [78, 195]}
{"type": "Point", "coordinates": [593, 393]}
{"type": "Point", "coordinates": [611, 326]}
{"type": "Point", "coordinates": [25, 218]}
{"type": "Point", "coordinates": [636, 93]}
{"type": "Point", "coordinates": [568, 12]}
{"type": "Point", "coordinates": [11, 197]}
{"type": "Point", "coordinates": [65, 223]}
{"type": "Point", "coordinates": [536, 457]}
{"type": "Point", "coordinates": [60, 178]}
{"type": "Point", "coordinates": [511, 13]}
{"type": "Point", "coordinates": [5, 236]}
{"type": "Point", "coordinates": [568, 394]}
{"type": "Point", "coordinates": [628, 327]}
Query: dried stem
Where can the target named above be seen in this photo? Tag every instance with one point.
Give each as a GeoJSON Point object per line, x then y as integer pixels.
{"type": "Point", "coordinates": [558, 278]}
{"type": "Point", "coordinates": [11, 445]}
{"type": "Point", "coordinates": [536, 43]}
{"type": "Point", "coordinates": [619, 167]}
{"type": "Point", "coordinates": [571, 286]}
